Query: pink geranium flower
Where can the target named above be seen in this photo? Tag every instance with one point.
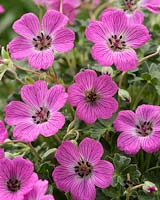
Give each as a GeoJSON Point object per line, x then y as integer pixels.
{"type": "Point", "coordinates": [38, 192]}
{"type": "Point", "coordinates": [3, 132]}
{"type": "Point", "coordinates": [16, 178]}
{"type": "Point", "coordinates": [139, 130]}
{"type": "Point", "coordinates": [151, 5]}
{"type": "Point", "coordinates": [2, 10]}
{"type": "Point", "coordinates": [70, 8]}
{"type": "Point", "coordinates": [115, 40]}
{"type": "Point", "coordinates": [39, 112]}
{"type": "Point", "coordinates": [37, 42]}
{"type": "Point", "coordinates": [92, 96]}
{"type": "Point", "coordinates": [81, 169]}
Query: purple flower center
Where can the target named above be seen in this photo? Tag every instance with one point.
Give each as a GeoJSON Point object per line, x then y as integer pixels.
{"type": "Point", "coordinates": [129, 5]}
{"type": "Point", "coordinates": [42, 42]}
{"type": "Point", "coordinates": [91, 96]}
{"type": "Point", "coordinates": [116, 43]}
{"type": "Point", "coordinates": [13, 184]}
{"type": "Point", "coordinates": [83, 168]}
{"type": "Point", "coordinates": [144, 128]}
{"type": "Point", "coordinates": [41, 116]}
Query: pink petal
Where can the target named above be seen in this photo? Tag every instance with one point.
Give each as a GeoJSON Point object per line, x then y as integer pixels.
{"type": "Point", "coordinates": [125, 120]}
{"type": "Point", "coordinates": [20, 48]}
{"type": "Point", "coordinates": [27, 26]}
{"type": "Point", "coordinates": [52, 126]}
{"type": "Point", "coordinates": [136, 35]}
{"type": "Point", "coordinates": [106, 86]}
{"type": "Point", "coordinates": [135, 17]}
{"type": "Point", "coordinates": [125, 60]}
{"type": "Point", "coordinates": [2, 10]}
{"type": "Point", "coordinates": [48, 197]}
{"type": "Point", "coordinates": [17, 112]}
{"type": "Point", "coordinates": [52, 21]}
{"type": "Point", "coordinates": [64, 178]}
{"type": "Point", "coordinates": [102, 174]}
{"type": "Point", "coordinates": [83, 189]}
{"type": "Point", "coordinates": [34, 94]}
{"type": "Point", "coordinates": [2, 153]}
{"type": "Point", "coordinates": [3, 132]}
{"type": "Point", "coordinates": [96, 32]}
{"type": "Point", "coordinates": [56, 97]}
{"type": "Point", "coordinates": [85, 112]}
{"type": "Point", "coordinates": [63, 40]}
{"type": "Point", "coordinates": [91, 150]}
{"type": "Point", "coordinates": [128, 142]}
{"type": "Point", "coordinates": [76, 94]}
{"type": "Point", "coordinates": [26, 132]}
{"type": "Point", "coordinates": [41, 59]}
{"type": "Point", "coordinates": [102, 54]}
{"type": "Point", "coordinates": [86, 79]}
{"type": "Point", "coordinates": [115, 20]}
{"type": "Point", "coordinates": [67, 154]}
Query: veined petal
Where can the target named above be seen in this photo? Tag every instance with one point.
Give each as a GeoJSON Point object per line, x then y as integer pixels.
{"type": "Point", "coordinates": [27, 26]}
{"type": "Point", "coordinates": [41, 59]}
{"type": "Point", "coordinates": [63, 40]}
{"type": "Point", "coordinates": [52, 21]}
{"type": "Point", "coordinates": [20, 48]}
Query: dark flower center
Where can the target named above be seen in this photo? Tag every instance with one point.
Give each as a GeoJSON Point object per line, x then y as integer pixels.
{"type": "Point", "coordinates": [83, 168]}
{"type": "Point", "coordinates": [130, 5]}
{"type": "Point", "coordinates": [91, 96]}
{"type": "Point", "coordinates": [41, 116]}
{"type": "Point", "coordinates": [42, 42]}
{"type": "Point", "coordinates": [144, 128]}
{"type": "Point", "coordinates": [116, 43]}
{"type": "Point", "coordinates": [13, 184]}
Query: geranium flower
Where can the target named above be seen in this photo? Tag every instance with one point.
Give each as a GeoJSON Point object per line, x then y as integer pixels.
{"type": "Point", "coordinates": [36, 43]}
{"type": "Point", "coordinates": [139, 130]}
{"type": "Point", "coordinates": [16, 178]}
{"type": "Point", "coordinates": [92, 96]}
{"type": "Point", "coordinates": [3, 132]}
{"type": "Point", "coordinates": [81, 169]}
{"type": "Point", "coordinates": [2, 10]}
{"type": "Point", "coordinates": [39, 112]}
{"type": "Point", "coordinates": [38, 192]}
{"type": "Point", "coordinates": [115, 40]}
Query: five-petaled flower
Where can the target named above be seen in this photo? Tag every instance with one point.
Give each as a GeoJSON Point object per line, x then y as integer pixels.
{"type": "Point", "coordinates": [37, 42]}
{"type": "Point", "coordinates": [93, 96]}
{"type": "Point", "coordinates": [115, 40]}
{"type": "Point", "coordinates": [139, 130]}
{"type": "Point", "coordinates": [81, 169]}
{"type": "Point", "coordinates": [17, 178]}
{"type": "Point", "coordinates": [39, 112]}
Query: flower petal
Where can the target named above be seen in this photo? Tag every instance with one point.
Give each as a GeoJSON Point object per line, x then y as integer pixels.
{"type": "Point", "coordinates": [63, 40]}
{"type": "Point", "coordinates": [34, 94]}
{"type": "Point", "coordinates": [102, 174]}
{"type": "Point", "coordinates": [27, 26]}
{"type": "Point", "coordinates": [67, 154]}
{"type": "Point", "coordinates": [125, 60]}
{"type": "Point", "coordinates": [3, 132]}
{"type": "Point", "coordinates": [102, 54]}
{"type": "Point", "coordinates": [20, 48]}
{"type": "Point", "coordinates": [91, 150]}
{"type": "Point", "coordinates": [52, 21]}
{"type": "Point", "coordinates": [41, 59]}
{"type": "Point", "coordinates": [17, 112]}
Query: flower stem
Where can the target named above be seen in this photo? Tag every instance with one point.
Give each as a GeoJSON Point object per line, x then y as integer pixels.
{"type": "Point", "coordinates": [69, 64]}
{"type": "Point", "coordinates": [139, 96]}
{"type": "Point", "coordinates": [34, 152]}
{"type": "Point", "coordinates": [61, 6]}
{"type": "Point", "coordinates": [56, 137]}
{"type": "Point", "coordinates": [121, 79]}
{"type": "Point", "coordinates": [149, 56]}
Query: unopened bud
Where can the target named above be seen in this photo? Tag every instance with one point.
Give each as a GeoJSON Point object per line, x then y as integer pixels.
{"type": "Point", "coordinates": [149, 187]}
{"type": "Point", "coordinates": [124, 95]}
{"type": "Point", "coordinates": [107, 70]}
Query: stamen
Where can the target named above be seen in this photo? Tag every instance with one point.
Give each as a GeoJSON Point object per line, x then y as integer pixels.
{"type": "Point", "coordinates": [41, 116]}
{"type": "Point", "coordinates": [42, 42]}
{"type": "Point", "coordinates": [83, 168]}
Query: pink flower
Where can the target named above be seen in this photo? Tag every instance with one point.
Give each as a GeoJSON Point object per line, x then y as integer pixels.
{"type": "Point", "coordinates": [139, 130]}
{"type": "Point", "coordinates": [39, 112]}
{"type": "Point", "coordinates": [115, 40]}
{"type": "Point", "coordinates": [151, 5]}
{"type": "Point", "coordinates": [2, 10]}
{"type": "Point", "coordinates": [38, 192]}
{"type": "Point", "coordinates": [92, 96]}
{"type": "Point", "coordinates": [16, 178]}
{"type": "Point", "coordinates": [81, 169]}
{"type": "Point", "coordinates": [69, 7]}
{"type": "Point", "coordinates": [3, 132]}
{"type": "Point", "coordinates": [2, 154]}
{"type": "Point", "coordinates": [36, 43]}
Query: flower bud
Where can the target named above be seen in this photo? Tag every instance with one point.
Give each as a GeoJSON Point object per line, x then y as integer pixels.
{"type": "Point", "coordinates": [107, 70]}
{"type": "Point", "coordinates": [124, 95]}
{"type": "Point", "coordinates": [149, 187]}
